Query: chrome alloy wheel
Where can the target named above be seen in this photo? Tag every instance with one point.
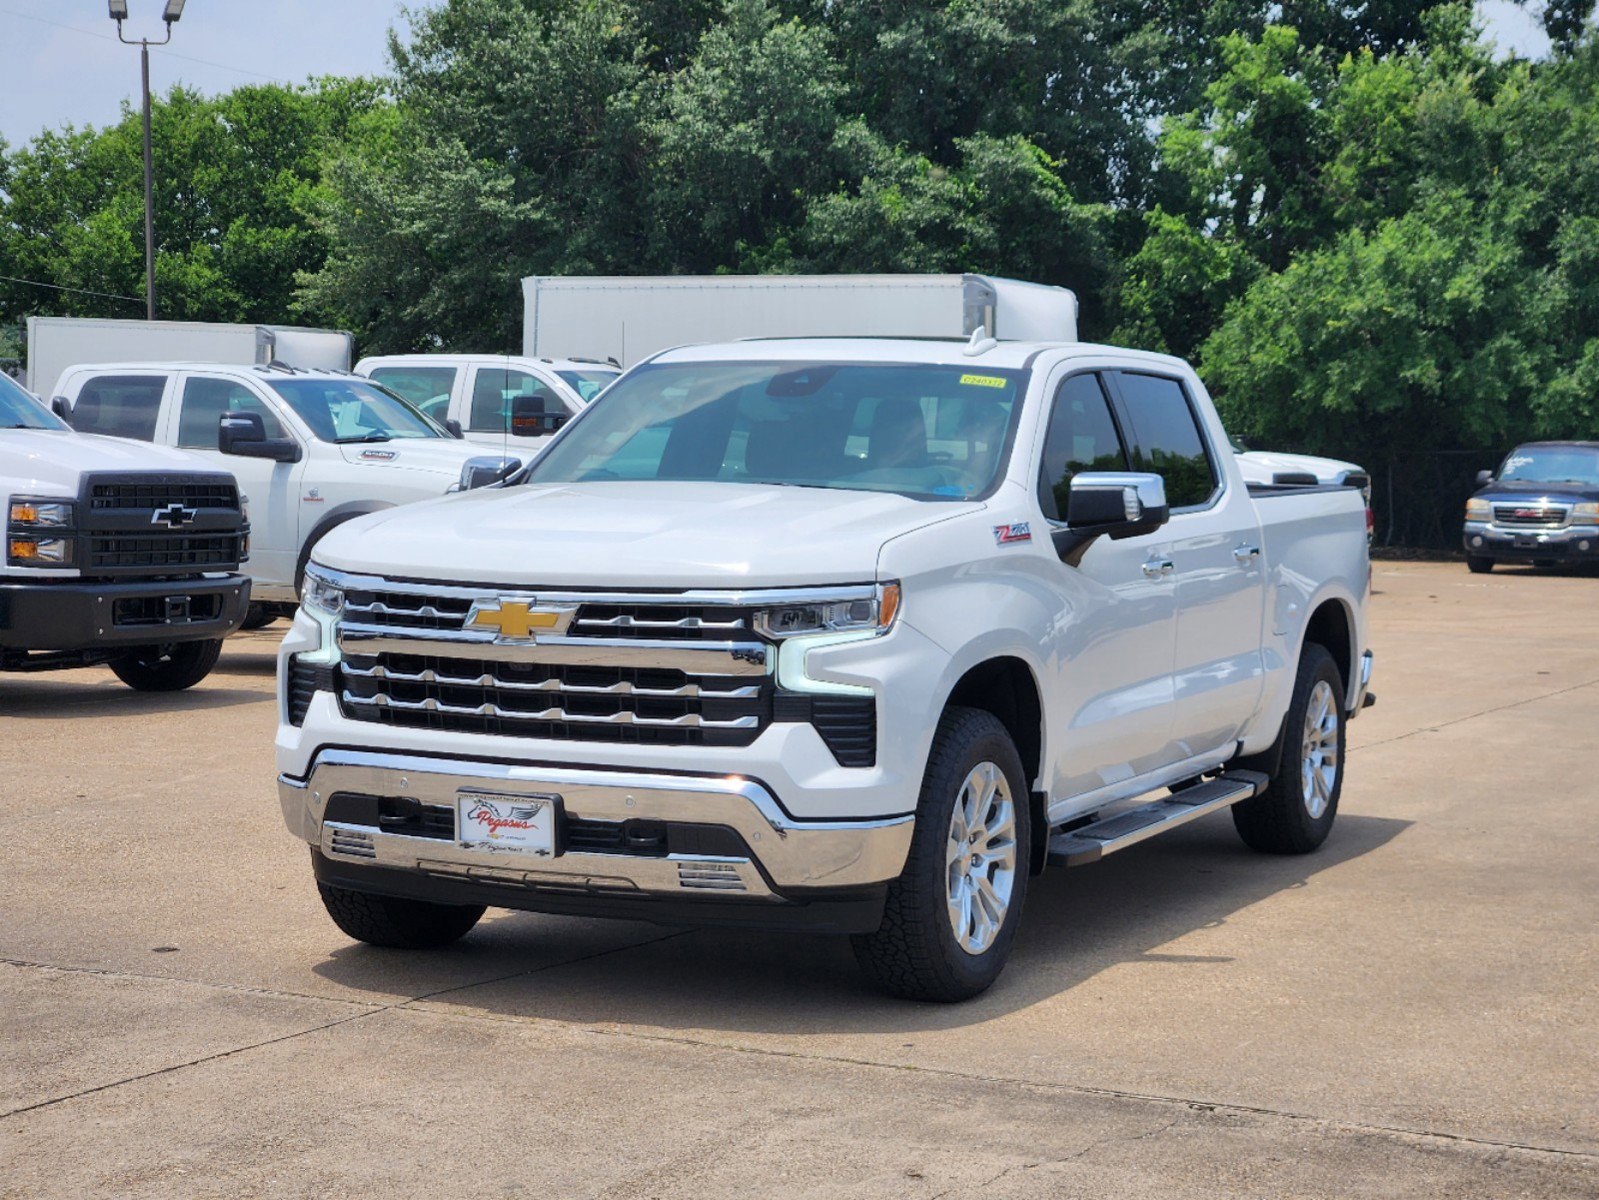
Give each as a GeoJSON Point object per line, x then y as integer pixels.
{"type": "Point", "coordinates": [981, 857]}
{"type": "Point", "coordinates": [1318, 761]}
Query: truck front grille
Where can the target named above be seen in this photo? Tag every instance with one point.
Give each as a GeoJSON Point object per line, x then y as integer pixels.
{"type": "Point", "coordinates": [398, 609]}
{"type": "Point", "coordinates": [164, 551]}
{"type": "Point", "coordinates": [587, 703]}
{"type": "Point", "coordinates": [199, 493]}
{"type": "Point", "coordinates": [1531, 516]}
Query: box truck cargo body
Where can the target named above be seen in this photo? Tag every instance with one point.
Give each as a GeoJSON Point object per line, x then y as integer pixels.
{"type": "Point", "coordinates": [629, 318]}
{"type": "Point", "coordinates": [56, 343]}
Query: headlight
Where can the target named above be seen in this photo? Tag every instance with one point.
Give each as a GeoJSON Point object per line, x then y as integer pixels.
{"type": "Point", "coordinates": [38, 552]}
{"type": "Point", "coordinates": [485, 472]}
{"type": "Point", "coordinates": [1479, 510]}
{"type": "Point", "coordinates": [321, 594]}
{"type": "Point", "coordinates": [53, 514]}
{"type": "Point", "coordinates": [1586, 511]}
{"type": "Point", "coordinates": [874, 613]}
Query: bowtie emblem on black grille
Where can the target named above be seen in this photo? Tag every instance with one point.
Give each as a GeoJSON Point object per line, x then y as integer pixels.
{"type": "Point", "coordinates": [173, 516]}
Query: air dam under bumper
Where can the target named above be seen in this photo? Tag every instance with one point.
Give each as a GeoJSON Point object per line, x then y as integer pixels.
{"type": "Point", "coordinates": [73, 615]}
{"type": "Point", "coordinates": [761, 867]}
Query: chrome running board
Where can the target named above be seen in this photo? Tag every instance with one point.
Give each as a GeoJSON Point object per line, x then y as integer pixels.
{"type": "Point", "coordinates": [1090, 843]}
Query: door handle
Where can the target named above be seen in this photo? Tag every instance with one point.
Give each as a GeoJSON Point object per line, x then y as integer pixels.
{"type": "Point", "coordinates": [1156, 567]}
{"type": "Point", "coordinates": [1245, 554]}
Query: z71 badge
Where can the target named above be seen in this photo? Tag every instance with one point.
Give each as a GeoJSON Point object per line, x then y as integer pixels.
{"type": "Point", "coordinates": [1018, 531]}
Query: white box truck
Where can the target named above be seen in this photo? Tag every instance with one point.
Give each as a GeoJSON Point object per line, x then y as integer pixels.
{"type": "Point", "coordinates": [629, 318]}
{"type": "Point", "coordinates": [56, 343]}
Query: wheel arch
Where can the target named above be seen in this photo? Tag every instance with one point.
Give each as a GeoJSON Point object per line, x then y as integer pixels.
{"type": "Point", "coordinates": [1332, 626]}
{"type": "Point", "coordinates": [1007, 687]}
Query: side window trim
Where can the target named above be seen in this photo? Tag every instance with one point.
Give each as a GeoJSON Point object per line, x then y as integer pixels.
{"type": "Point", "coordinates": [1117, 420]}
{"type": "Point", "coordinates": [1124, 421]}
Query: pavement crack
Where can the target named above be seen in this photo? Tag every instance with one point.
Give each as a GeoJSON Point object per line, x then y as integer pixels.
{"type": "Point", "coordinates": [550, 966]}
{"type": "Point", "coordinates": [1487, 712]}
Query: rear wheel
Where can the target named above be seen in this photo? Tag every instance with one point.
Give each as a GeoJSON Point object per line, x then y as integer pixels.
{"type": "Point", "coordinates": [169, 668]}
{"type": "Point", "coordinates": [952, 915]}
{"type": "Point", "coordinates": [1479, 564]}
{"type": "Point", "coordinates": [1295, 813]}
{"type": "Point", "coordinates": [395, 922]}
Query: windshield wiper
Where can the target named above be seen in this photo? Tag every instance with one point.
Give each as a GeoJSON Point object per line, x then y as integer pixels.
{"type": "Point", "coordinates": [376, 435]}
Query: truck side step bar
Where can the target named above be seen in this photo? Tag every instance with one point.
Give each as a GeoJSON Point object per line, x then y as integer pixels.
{"type": "Point", "coordinates": [1090, 843]}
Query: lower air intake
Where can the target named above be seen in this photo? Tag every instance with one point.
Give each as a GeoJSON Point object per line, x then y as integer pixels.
{"type": "Point", "coordinates": [709, 877]}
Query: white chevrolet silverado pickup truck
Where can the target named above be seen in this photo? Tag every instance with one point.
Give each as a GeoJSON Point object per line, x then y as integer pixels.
{"type": "Point", "coordinates": [851, 635]}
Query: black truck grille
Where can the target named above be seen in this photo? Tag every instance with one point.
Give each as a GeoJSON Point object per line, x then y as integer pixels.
{"type": "Point", "coordinates": [601, 704]}
{"type": "Point", "coordinates": [164, 551]}
{"type": "Point", "coordinates": [206, 493]}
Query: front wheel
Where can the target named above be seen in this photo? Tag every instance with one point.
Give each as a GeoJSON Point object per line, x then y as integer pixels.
{"type": "Point", "coordinates": [258, 616]}
{"type": "Point", "coordinates": [167, 668]}
{"type": "Point", "coordinates": [952, 915]}
{"type": "Point", "coordinates": [396, 922]}
{"type": "Point", "coordinates": [1479, 564]}
{"type": "Point", "coordinates": [1295, 813]}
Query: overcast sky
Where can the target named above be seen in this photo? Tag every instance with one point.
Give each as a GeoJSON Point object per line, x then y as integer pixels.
{"type": "Point", "coordinates": [60, 62]}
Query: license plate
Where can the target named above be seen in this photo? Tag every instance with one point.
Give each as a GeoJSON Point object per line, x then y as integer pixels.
{"type": "Point", "coordinates": [515, 824]}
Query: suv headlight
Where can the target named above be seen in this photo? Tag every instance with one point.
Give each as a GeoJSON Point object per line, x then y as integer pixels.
{"type": "Point", "coordinates": [873, 613]}
{"type": "Point", "coordinates": [485, 472]}
{"type": "Point", "coordinates": [1479, 510]}
{"type": "Point", "coordinates": [320, 594]}
{"type": "Point", "coordinates": [38, 533]}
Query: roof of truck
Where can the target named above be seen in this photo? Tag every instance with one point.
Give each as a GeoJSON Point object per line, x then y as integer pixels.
{"type": "Point", "coordinates": [939, 351]}
{"type": "Point", "coordinates": [264, 370]}
{"type": "Point", "coordinates": [422, 359]}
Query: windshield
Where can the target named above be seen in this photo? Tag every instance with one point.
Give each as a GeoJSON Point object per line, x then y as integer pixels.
{"type": "Point", "coordinates": [19, 410]}
{"type": "Point", "coordinates": [588, 384]}
{"type": "Point", "coordinates": [1551, 464]}
{"type": "Point", "coordinates": [353, 410]}
{"type": "Point", "coordinates": [930, 432]}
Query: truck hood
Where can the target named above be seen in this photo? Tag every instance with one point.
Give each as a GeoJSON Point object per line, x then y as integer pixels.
{"type": "Point", "coordinates": [634, 535]}
{"type": "Point", "coordinates": [54, 461]}
{"type": "Point", "coordinates": [1259, 466]}
{"type": "Point", "coordinates": [444, 455]}
{"type": "Point", "coordinates": [1513, 491]}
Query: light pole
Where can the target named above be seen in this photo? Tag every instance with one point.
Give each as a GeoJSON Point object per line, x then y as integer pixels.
{"type": "Point", "coordinates": [119, 14]}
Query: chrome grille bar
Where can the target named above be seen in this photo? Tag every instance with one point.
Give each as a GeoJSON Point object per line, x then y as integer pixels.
{"type": "Point", "coordinates": [688, 691]}
{"type": "Point", "coordinates": [625, 717]}
{"type": "Point", "coordinates": [628, 622]}
{"type": "Point", "coordinates": [692, 658]}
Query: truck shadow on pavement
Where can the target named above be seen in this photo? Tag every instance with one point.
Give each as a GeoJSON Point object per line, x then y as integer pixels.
{"type": "Point", "coordinates": [1079, 922]}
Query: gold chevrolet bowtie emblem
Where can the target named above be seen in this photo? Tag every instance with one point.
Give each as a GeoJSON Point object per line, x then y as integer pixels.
{"type": "Point", "coordinates": [519, 620]}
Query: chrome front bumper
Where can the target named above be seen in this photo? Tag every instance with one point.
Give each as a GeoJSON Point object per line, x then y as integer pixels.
{"type": "Point", "coordinates": [783, 854]}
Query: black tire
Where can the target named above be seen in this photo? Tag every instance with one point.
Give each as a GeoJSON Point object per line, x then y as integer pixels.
{"type": "Point", "coordinates": [1479, 564]}
{"type": "Point", "coordinates": [915, 953]}
{"type": "Point", "coordinates": [167, 668]}
{"type": "Point", "coordinates": [1280, 820]}
{"type": "Point", "coordinates": [258, 616]}
{"type": "Point", "coordinates": [397, 923]}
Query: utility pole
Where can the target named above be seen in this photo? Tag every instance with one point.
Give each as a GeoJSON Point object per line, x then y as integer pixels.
{"type": "Point", "coordinates": [119, 14]}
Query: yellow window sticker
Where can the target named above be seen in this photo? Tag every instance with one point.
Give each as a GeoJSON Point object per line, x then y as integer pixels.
{"type": "Point", "coordinates": [983, 380]}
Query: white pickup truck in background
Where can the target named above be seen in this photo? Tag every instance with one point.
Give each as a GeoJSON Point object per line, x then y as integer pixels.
{"type": "Point", "coordinates": [116, 553]}
{"type": "Point", "coordinates": [488, 398]}
{"type": "Point", "coordinates": [841, 634]}
{"type": "Point", "coordinates": [311, 449]}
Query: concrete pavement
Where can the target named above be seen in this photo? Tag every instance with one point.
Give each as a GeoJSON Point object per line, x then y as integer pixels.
{"type": "Point", "coordinates": [1411, 1011]}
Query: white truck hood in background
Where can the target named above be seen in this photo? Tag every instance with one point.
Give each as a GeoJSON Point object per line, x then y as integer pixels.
{"type": "Point", "coordinates": [444, 455]}
{"type": "Point", "coordinates": [640, 535]}
{"type": "Point", "coordinates": [52, 462]}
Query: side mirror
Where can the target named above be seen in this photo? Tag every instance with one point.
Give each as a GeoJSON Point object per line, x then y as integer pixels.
{"type": "Point", "coordinates": [58, 405]}
{"type": "Point", "coordinates": [1113, 504]}
{"type": "Point", "coordinates": [528, 418]}
{"type": "Point", "coordinates": [1484, 478]}
{"type": "Point", "coordinates": [244, 434]}
{"type": "Point", "coordinates": [454, 427]}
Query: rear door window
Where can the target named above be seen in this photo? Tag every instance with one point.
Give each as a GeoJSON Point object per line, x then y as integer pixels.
{"type": "Point", "coordinates": [1166, 437]}
{"type": "Point", "coordinates": [427, 388]}
{"type": "Point", "coordinates": [1082, 437]}
{"type": "Point", "coordinates": [125, 406]}
{"type": "Point", "coordinates": [205, 401]}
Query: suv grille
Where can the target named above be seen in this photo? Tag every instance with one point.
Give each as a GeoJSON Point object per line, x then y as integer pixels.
{"type": "Point", "coordinates": [150, 523]}
{"type": "Point", "coordinates": [1531, 516]}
